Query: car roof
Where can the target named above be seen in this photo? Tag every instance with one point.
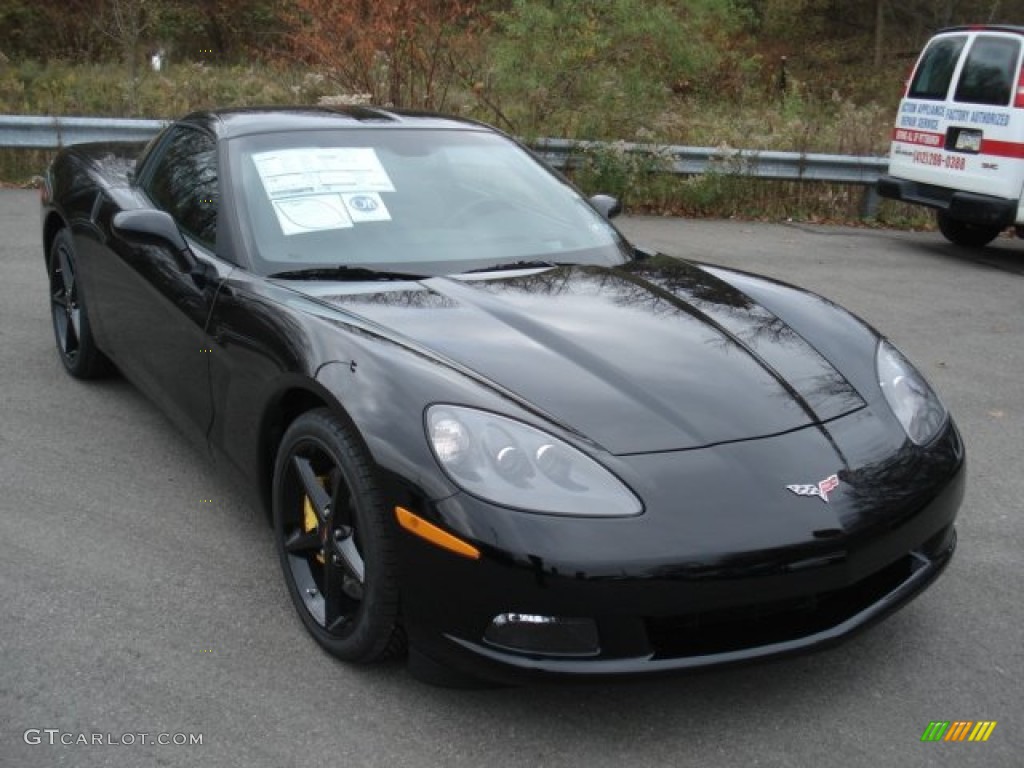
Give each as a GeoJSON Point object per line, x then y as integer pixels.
{"type": "Point", "coordinates": [1018, 30]}
{"type": "Point", "coordinates": [245, 121]}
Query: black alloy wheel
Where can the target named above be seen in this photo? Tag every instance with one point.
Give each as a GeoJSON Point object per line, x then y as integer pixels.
{"type": "Point", "coordinates": [335, 541]}
{"type": "Point", "coordinates": [78, 351]}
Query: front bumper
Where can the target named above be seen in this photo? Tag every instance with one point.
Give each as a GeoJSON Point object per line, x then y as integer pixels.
{"type": "Point", "coordinates": [662, 615]}
{"type": "Point", "coordinates": [971, 207]}
{"type": "Point", "coordinates": [876, 598]}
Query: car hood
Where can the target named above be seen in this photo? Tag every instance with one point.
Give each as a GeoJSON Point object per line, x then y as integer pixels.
{"type": "Point", "coordinates": [654, 355]}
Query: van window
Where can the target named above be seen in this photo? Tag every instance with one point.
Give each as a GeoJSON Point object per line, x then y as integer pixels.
{"type": "Point", "coordinates": [988, 75]}
{"type": "Point", "coordinates": [931, 80]}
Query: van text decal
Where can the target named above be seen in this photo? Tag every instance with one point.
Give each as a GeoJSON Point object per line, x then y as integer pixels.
{"type": "Point", "coordinates": [918, 137]}
{"type": "Point", "coordinates": [988, 118]}
{"type": "Point", "coordinates": [934, 111]}
{"type": "Point", "coordinates": [953, 162]}
{"type": "Point", "coordinates": [1013, 149]}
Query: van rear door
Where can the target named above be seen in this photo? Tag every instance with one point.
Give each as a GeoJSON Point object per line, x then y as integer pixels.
{"type": "Point", "coordinates": [958, 127]}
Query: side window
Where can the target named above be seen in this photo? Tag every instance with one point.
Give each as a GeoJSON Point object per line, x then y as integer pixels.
{"type": "Point", "coordinates": [988, 75]}
{"type": "Point", "coordinates": [931, 80]}
{"type": "Point", "coordinates": [184, 182]}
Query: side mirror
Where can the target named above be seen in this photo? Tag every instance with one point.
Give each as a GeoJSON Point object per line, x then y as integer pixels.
{"type": "Point", "coordinates": [149, 227]}
{"type": "Point", "coordinates": [606, 205]}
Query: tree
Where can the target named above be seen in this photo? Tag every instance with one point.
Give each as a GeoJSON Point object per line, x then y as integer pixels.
{"type": "Point", "coordinates": [397, 51]}
{"type": "Point", "coordinates": [124, 21]}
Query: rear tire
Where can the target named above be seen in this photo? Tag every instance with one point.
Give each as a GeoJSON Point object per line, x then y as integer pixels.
{"type": "Point", "coordinates": [75, 344]}
{"type": "Point", "coordinates": [966, 234]}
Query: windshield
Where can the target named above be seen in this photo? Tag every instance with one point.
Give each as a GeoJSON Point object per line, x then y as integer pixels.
{"type": "Point", "coordinates": [429, 202]}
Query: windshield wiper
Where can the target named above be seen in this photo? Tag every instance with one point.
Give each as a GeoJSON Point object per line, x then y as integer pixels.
{"type": "Point", "coordinates": [344, 273]}
{"type": "Point", "coordinates": [531, 264]}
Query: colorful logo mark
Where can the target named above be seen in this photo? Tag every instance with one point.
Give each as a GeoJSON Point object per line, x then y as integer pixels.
{"type": "Point", "coordinates": [363, 203]}
{"type": "Point", "coordinates": [821, 490]}
{"type": "Point", "coordinates": [958, 730]}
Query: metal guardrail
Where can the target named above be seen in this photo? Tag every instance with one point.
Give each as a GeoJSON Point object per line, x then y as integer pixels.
{"type": "Point", "coordinates": [762, 164]}
{"type": "Point", "coordinates": [40, 132]}
{"type": "Point", "coordinates": [766, 164]}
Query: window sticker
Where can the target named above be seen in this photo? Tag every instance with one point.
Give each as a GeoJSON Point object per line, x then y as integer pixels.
{"type": "Point", "coordinates": [366, 206]}
{"type": "Point", "coordinates": [319, 188]}
{"type": "Point", "coordinates": [311, 213]}
{"type": "Point", "coordinates": [326, 169]}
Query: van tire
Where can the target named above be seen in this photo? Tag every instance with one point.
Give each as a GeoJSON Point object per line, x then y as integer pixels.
{"type": "Point", "coordinates": [966, 234]}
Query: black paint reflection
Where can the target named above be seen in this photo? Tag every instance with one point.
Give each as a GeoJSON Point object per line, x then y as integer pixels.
{"type": "Point", "coordinates": [896, 487]}
{"type": "Point", "coordinates": [184, 182]}
{"type": "Point", "coordinates": [653, 355]}
{"type": "Point", "coordinates": [663, 286]}
{"type": "Point", "coordinates": [260, 332]}
{"type": "Point", "coordinates": [417, 298]}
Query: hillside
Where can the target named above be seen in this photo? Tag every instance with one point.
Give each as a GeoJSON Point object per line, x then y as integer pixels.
{"type": "Point", "coordinates": [795, 75]}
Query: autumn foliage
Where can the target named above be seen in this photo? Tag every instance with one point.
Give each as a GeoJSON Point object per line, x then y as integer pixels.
{"type": "Point", "coordinates": [402, 53]}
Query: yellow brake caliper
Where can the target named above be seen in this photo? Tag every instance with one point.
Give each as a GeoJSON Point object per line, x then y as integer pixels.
{"type": "Point", "coordinates": [309, 521]}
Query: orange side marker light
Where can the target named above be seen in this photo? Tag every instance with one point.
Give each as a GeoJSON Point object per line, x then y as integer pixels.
{"type": "Point", "coordinates": [425, 530]}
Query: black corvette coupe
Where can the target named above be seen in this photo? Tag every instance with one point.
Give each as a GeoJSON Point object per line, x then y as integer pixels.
{"type": "Point", "coordinates": [484, 426]}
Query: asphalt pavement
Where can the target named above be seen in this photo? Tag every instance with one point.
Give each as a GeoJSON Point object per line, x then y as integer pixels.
{"type": "Point", "coordinates": [139, 594]}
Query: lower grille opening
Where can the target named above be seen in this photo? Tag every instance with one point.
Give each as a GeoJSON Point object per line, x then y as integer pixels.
{"type": "Point", "coordinates": [735, 629]}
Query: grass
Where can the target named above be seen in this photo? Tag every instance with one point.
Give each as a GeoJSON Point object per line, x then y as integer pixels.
{"type": "Point", "coordinates": [744, 118]}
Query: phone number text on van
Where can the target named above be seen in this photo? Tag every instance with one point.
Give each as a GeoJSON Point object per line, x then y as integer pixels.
{"type": "Point", "coordinates": [953, 162]}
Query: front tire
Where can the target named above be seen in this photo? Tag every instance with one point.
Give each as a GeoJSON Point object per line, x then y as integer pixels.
{"type": "Point", "coordinates": [966, 234]}
{"type": "Point", "coordinates": [337, 549]}
{"type": "Point", "coordinates": [75, 344]}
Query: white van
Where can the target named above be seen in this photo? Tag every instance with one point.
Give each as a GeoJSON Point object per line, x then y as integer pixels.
{"type": "Point", "coordinates": [958, 143]}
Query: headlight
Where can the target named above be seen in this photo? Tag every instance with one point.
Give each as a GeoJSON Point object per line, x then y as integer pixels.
{"type": "Point", "coordinates": [515, 465]}
{"type": "Point", "coordinates": [916, 406]}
